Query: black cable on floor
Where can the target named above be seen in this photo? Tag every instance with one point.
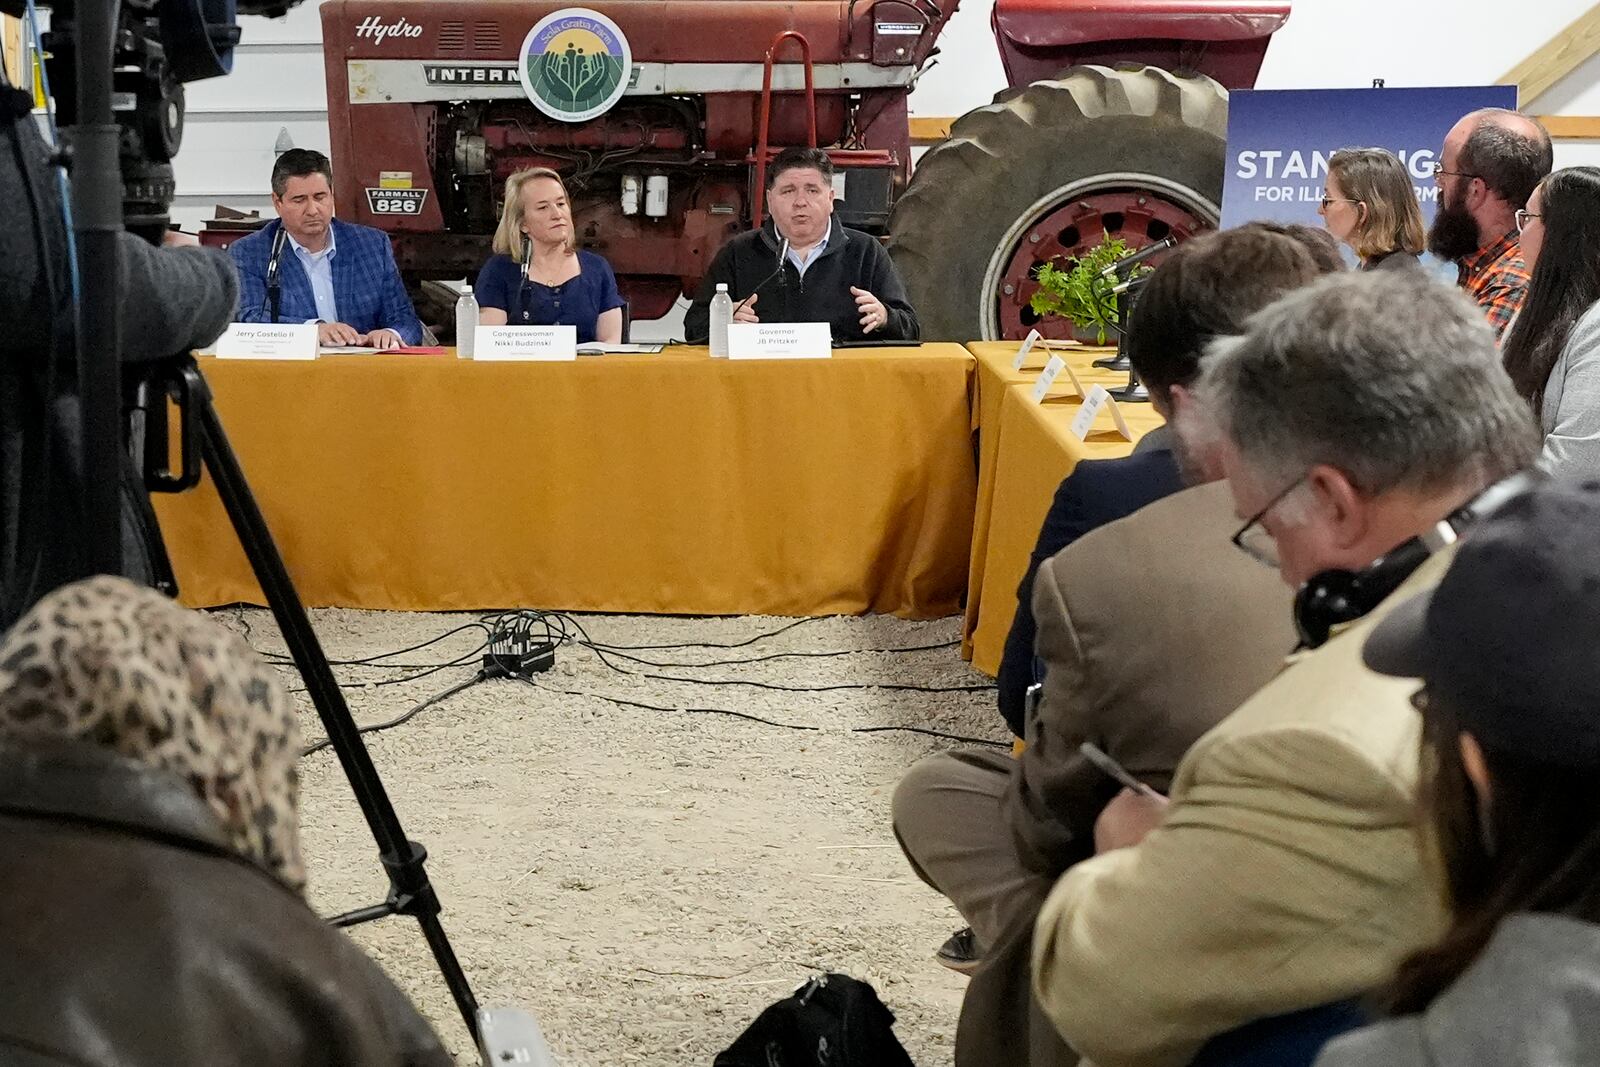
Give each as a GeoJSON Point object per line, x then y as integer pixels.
{"type": "Point", "coordinates": [777, 655]}
{"type": "Point", "coordinates": [372, 661]}
{"type": "Point", "coordinates": [435, 669]}
{"type": "Point", "coordinates": [771, 722]}
{"type": "Point", "coordinates": [719, 644]}
{"type": "Point", "coordinates": [899, 687]}
{"type": "Point", "coordinates": [401, 719]}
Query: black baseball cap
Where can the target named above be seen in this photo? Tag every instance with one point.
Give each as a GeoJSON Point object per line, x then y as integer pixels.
{"type": "Point", "coordinates": [1510, 638]}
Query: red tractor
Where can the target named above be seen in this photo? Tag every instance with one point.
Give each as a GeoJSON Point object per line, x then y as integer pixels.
{"type": "Point", "coordinates": [662, 114]}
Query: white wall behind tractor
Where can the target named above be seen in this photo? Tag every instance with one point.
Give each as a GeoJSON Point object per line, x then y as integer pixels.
{"type": "Point", "coordinates": [277, 85]}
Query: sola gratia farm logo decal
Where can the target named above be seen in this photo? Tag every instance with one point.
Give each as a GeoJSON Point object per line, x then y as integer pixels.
{"type": "Point", "coordinates": [575, 64]}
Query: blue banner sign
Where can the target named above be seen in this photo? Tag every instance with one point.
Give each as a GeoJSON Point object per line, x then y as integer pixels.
{"type": "Point", "coordinates": [1279, 142]}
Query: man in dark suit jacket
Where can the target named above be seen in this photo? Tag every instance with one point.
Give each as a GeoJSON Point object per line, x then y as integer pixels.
{"type": "Point", "coordinates": [1097, 492]}
{"type": "Point", "coordinates": [1165, 341]}
{"type": "Point", "coordinates": [958, 815]}
{"type": "Point", "coordinates": [336, 274]}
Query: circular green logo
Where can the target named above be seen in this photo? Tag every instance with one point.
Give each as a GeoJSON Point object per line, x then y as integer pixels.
{"type": "Point", "coordinates": [575, 64]}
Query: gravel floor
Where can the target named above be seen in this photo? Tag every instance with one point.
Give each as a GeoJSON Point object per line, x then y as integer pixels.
{"type": "Point", "coordinates": [644, 882]}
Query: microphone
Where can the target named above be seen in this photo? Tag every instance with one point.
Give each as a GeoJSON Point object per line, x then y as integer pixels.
{"type": "Point", "coordinates": [1128, 285]}
{"type": "Point", "coordinates": [274, 290]}
{"type": "Point", "coordinates": [783, 254]}
{"type": "Point", "coordinates": [522, 276]}
{"type": "Point", "coordinates": [1133, 259]}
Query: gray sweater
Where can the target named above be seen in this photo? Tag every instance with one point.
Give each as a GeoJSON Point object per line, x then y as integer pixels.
{"type": "Point", "coordinates": [1571, 412]}
{"type": "Point", "coordinates": [1531, 1000]}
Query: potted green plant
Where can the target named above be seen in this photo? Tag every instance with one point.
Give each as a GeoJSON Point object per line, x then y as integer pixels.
{"type": "Point", "coordinates": [1079, 291]}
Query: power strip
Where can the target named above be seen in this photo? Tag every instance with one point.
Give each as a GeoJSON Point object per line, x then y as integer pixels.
{"type": "Point", "coordinates": [517, 655]}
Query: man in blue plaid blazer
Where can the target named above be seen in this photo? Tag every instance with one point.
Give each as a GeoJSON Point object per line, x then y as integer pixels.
{"type": "Point", "coordinates": [337, 274]}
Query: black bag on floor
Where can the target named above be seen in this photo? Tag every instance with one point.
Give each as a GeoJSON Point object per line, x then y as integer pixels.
{"type": "Point", "coordinates": [831, 1021]}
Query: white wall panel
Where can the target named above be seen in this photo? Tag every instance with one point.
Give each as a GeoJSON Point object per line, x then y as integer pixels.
{"type": "Point", "coordinates": [285, 77]}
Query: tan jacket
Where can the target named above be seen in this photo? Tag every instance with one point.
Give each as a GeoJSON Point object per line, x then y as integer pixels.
{"type": "Point", "coordinates": [1287, 872]}
{"type": "Point", "coordinates": [1151, 629]}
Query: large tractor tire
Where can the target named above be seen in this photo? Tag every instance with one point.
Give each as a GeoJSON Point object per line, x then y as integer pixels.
{"type": "Point", "coordinates": [1041, 174]}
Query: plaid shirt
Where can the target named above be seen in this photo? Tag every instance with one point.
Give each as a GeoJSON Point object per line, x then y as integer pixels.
{"type": "Point", "coordinates": [1497, 279]}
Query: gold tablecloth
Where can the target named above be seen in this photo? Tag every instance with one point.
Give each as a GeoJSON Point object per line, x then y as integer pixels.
{"type": "Point", "coordinates": [1025, 450]}
{"type": "Point", "coordinates": [668, 483]}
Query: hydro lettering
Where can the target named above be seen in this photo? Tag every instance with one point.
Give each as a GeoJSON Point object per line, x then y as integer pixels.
{"type": "Point", "coordinates": [375, 28]}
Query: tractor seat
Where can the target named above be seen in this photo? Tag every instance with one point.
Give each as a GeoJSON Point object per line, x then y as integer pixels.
{"type": "Point", "coordinates": [1076, 22]}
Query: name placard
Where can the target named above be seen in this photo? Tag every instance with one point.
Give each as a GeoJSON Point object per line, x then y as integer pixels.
{"type": "Point", "coordinates": [779, 340]}
{"type": "Point", "coordinates": [1024, 348]}
{"type": "Point", "coordinates": [1097, 399]}
{"type": "Point", "coordinates": [1072, 376]}
{"type": "Point", "coordinates": [1047, 378]}
{"type": "Point", "coordinates": [509, 344]}
{"type": "Point", "coordinates": [268, 340]}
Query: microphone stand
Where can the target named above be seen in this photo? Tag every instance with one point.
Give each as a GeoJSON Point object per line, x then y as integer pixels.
{"type": "Point", "coordinates": [522, 280]}
{"type": "Point", "coordinates": [783, 254]}
{"type": "Point", "coordinates": [1125, 284]}
{"type": "Point", "coordinates": [1134, 392]}
{"type": "Point", "coordinates": [274, 289]}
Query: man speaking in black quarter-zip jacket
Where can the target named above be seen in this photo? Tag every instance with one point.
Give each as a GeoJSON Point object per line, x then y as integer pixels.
{"type": "Point", "coordinates": [802, 266]}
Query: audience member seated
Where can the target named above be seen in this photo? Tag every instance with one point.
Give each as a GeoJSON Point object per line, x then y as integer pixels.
{"type": "Point", "coordinates": [1119, 612]}
{"type": "Point", "coordinates": [1174, 319]}
{"type": "Point", "coordinates": [152, 882]}
{"type": "Point", "coordinates": [1553, 350]}
{"type": "Point", "coordinates": [1505, 649]}
{"type": "Point", "coordinates": [336, 274]}
{"type": "Point", "coordinates": [1285, 872]}
{"type": "Point", "coordinates": [1369, 203]}
{"type": "Point", "coordinates": [1491, 161]}
{"type": "Point", "coordinates": [537, 276]}
{"type": "Point", "coordinates": [831, 274]}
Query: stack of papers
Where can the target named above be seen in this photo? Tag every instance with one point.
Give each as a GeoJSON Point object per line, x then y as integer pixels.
{"type": "Point", "coordinates": [596, 348]}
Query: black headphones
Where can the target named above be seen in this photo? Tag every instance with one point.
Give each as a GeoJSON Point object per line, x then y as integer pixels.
{"type": "Point", "coordinates": [1335, 597]}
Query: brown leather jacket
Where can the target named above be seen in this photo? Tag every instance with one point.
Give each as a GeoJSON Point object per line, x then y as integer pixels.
{"type": "Point", "coordinates": [130, 935]}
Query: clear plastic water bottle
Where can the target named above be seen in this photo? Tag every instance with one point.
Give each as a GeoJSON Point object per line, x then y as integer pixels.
{"type": "Point", "coordinates": [721, 316]}
{"type": "Point", "coordinates": [466, 322]}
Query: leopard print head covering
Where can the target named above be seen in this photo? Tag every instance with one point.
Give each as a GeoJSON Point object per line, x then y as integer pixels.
{"type": "Point", "coordinates": [112, 663]}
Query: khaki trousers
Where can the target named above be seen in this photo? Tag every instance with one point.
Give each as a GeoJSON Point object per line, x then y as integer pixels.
{"type": "Point", "coordinates": [948, 821]}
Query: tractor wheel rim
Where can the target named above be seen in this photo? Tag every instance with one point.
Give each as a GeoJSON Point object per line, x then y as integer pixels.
{"type": "Point", "coordinates": [1180, 208]}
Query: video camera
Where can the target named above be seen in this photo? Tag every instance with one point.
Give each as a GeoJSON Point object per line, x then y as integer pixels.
{"type": "Point", "coordinates": [157, 47]}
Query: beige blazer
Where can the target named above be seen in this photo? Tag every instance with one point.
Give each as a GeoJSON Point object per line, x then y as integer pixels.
{"type": "Point", "coordinates": [1151, 629]}
{"type": "Point", "coordinates": [1286, 874]}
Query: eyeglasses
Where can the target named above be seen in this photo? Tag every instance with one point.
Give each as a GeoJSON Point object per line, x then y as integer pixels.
{"type": "Point", "coordinates": [1438, 169]}
{"type": "Point", "coordinates": [1326, 200]}
{"type": "Point", "coordinates": [1523, 216]}
{"type": "Point", "coordinates": [1254, 540]}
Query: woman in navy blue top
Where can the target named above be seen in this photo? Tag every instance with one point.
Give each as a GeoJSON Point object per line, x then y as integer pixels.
{"type": "Point", "coordinates": [562, 286]}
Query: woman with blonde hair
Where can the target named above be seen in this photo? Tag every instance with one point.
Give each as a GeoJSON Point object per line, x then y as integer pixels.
{"type": "Point", "coordinates": [1370, 204]}
{"type": "Point", "coordinates": [537, 276]}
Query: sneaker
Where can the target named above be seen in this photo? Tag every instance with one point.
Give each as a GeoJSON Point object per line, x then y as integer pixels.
{"type": "Point", "coordinates": [960, 952]}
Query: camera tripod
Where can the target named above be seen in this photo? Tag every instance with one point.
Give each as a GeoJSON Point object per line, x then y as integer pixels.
{"type": "Point", "coordinates": [503, 1035]}
{"type": "Point", "coordinates": [119, 159]}
{"type": "Point", "coordinates": [204, 442]}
